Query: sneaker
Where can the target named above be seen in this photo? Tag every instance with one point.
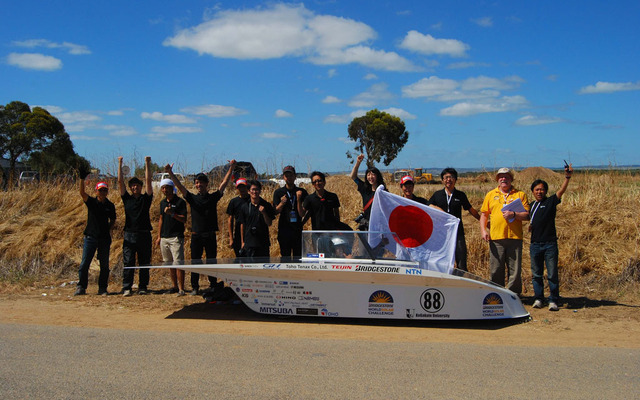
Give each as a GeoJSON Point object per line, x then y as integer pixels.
{"type": "Point", "coordinates": [80, 291]}
{"type": "Point", "coordinates": [553, 306]}
{"type": "Point", "coordinates": [537, 304]}
{"type": "Point", "coordinates": [180, 293]}
{"type": "Point", "coordinates": [102, 292]}
{"type": "Point", "coordinates": [194, 292]}
{"type": "Point", "coordinates": [142, 292]}
{"type": "Point", "coordinates": [126, 293]}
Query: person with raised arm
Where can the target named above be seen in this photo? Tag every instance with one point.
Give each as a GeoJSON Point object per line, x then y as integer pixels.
{"type": "Point", "coordinates": [544, 239]}
{"type": "Point", "coordinates": [204, 221]}
{"type": "Point", "coordinates": [137, 228]}
{"type": "Point", "coordinates": [367, 189]}
{"type": "Point", "coordinates": [101, 216]}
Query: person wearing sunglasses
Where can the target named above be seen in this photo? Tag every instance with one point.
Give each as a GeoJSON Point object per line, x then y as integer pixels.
{"type": "Point", "coordinates": [101, 216]}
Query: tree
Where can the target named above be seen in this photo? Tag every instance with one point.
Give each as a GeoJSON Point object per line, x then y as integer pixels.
{"type": "Point", "coordinates": [23, 131]}
{"type": "Point", "coordinates": [58, 157]}
{"type": "Point", "coordinates": [378, 134]}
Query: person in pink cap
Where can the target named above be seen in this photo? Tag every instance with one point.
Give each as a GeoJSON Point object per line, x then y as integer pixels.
{"type": "Point", "coordinates": [101, 215]}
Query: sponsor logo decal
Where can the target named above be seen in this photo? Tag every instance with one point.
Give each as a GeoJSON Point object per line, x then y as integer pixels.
{"type": "Point", "coordinates": [413, 271]}
{"type": "Point", "coordinates": [276, 310]}
{"type": "Point", "coordinates": [271, 266]}
{"type": "Point", "coordinates": [364, 268]}
{"type": "Point", "coordinates": [326, 313]}
{"type": "Point", "coordinates": [432, 300]}
{"type": "Point", "coordinates": [411, 313]}
{"type": "Point", "coordinates": [492, 306]}
{"type": "Point", "coordinates": [307, 311]}
{"type": "Point", "coordinates": [380, 303]}
{"type": "Point", "coordinates": [341, 267]}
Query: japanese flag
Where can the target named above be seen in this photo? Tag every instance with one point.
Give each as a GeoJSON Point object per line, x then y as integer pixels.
{"type": "Point", "coordinates": [428, 234]}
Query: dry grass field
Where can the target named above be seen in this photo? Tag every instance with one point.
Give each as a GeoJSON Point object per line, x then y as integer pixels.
{"type": "Point", "coordinates": [599, 234]}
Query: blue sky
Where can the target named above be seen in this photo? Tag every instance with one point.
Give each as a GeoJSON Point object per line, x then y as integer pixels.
{"type": "Point", "coordinates": [478, 84]}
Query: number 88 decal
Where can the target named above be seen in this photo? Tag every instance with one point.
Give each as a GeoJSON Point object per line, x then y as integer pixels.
{"type": "Point", "coordinates": [432, 300]}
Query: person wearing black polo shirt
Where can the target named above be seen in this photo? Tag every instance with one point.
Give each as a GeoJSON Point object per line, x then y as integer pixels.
{"type": "Point", "coordinates": [204, 221]}
{"type": "Point", "coordinates": [285, 201]}
{"type": "Point", "coordinates": [173, 215]}
{"type": "Point", "coordinates": [322, 206]}
{"type": "Point", "coordinates": [544, 240]}
{"type": "Point", "coordinates": [233, 211]}
{"type": "Point", "coordinates": [453, 201]}
{"type": "Point", "coordinates": [256, 217]}
{"type": "Point", "coordinates": [137, 228]}
{"type": "Point", "coordinates": [101, 215]}
{"type": "Point", "coordinates": [407, 185]}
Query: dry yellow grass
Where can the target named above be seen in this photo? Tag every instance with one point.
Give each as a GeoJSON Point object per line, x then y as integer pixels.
{"type": "Point", "coordinates": [599, 235]}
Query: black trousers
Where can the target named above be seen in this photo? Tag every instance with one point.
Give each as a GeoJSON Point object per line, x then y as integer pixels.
{"type": "Point", "coordinates": [136, 243]}
{"type": "Point", "coordinates": [201, 243]}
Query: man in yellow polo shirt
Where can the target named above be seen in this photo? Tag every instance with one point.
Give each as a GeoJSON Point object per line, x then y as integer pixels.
{"type": "Point", "coordinates": [505, 235]}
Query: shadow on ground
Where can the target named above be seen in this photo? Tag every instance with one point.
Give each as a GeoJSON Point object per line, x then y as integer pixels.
{"type": "Point", "coordinates": [232, 311]}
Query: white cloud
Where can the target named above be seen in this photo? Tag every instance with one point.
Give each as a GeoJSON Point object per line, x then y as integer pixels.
{"type": "Point", "coordinates": [467, 64]}
{"type": "Point", "coordinates": [160, 137]}
{"type": "Point", "coordinates": [400, 113]}
{"type": "Point", "coordinates": [283, 114]}
{"type": "Point", "coordinates": [286, 30]}
{"type": "Point", "coordinates": [34, 61]}
{"type": "Point", "coordinates": [71, 48]}
{"type": "Point", "coordinates": [120, 130]}
{"type": "Point", "coordinates": [214, 111]}
{"type": "Point", "coordinates": [447, 90]}
{"type": "Point", "coordinates": [370, 77]}
{"type": "Point", "coordinates": [175, 129]}
{"type": "Point", "coordinates": [331, 99]}
{"type": "Point", "coordinates": [531, 120]}
{"type": "Point", "coordinates": [430, 87]}
{"type": "Point", "coordinates": [376, 94]}
{"type": "Point", "coordinates": [51, 109]}
{"type": "Point", "coordinates": [332, 72]}
{"type": "Point", "coordinates": [344, 119]}
{"type": "Point", "coordinates": [428, 45]}
{"type": "Point", "coordinates": [77, 117]}
{"type": "Point", "coordinates": [87, 138]}
{"type": "Point", "coordinates": [610, 87]}
{"type": "Point", "coordinates": [503, 104]}
{"type": "Point", "coordinates": [485, 22]}
{"type": "Point", "coordinates": [272, 135]}
{"type": "Point", "coordinates": [170, 118]}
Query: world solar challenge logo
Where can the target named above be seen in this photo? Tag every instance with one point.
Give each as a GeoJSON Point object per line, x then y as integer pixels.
{"type": "Point", "coordinates": [380, 303]}
{"type": "Point", "coordinates": [492, 306]}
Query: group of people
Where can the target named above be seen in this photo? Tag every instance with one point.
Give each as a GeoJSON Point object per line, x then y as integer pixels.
{"type": "Point", "coordinates": [250, 216]}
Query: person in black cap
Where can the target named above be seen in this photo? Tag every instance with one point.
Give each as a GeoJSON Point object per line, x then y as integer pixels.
{"type": "Point", "coordinates": [233, 211]}
{"type": "Point", "coordinates": [137, 228]}
{"type": "Point", "coordinates": [204, 220]}
{"type": "Point", "coordinates": [285, 202]}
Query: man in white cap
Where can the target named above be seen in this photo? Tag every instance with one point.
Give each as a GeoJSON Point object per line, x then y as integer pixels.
{"type": "Point", "coordinates": [101, 215]}
{"type": "Point", "coordinates": [173, 215]}
{"type": "Point", "coordinates": [505, 236]}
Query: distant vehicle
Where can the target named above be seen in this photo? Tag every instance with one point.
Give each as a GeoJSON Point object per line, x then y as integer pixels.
{"type": "Point", "coordinates": [242, 169]}
{"type": "Point", "coordinates": [399, 173]}
{"type": "Point", "coordinates": [29, 177]}
{"type": "Point", "coordinates": [422, 177]}
{"type": "Point", "coordinates": [158, 177]}
{"type": "Point", "coordinates": [301, 178]}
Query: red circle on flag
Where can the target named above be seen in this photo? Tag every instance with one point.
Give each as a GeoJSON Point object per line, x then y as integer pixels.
{"type": "Point", "coordinates": [412, 225]}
